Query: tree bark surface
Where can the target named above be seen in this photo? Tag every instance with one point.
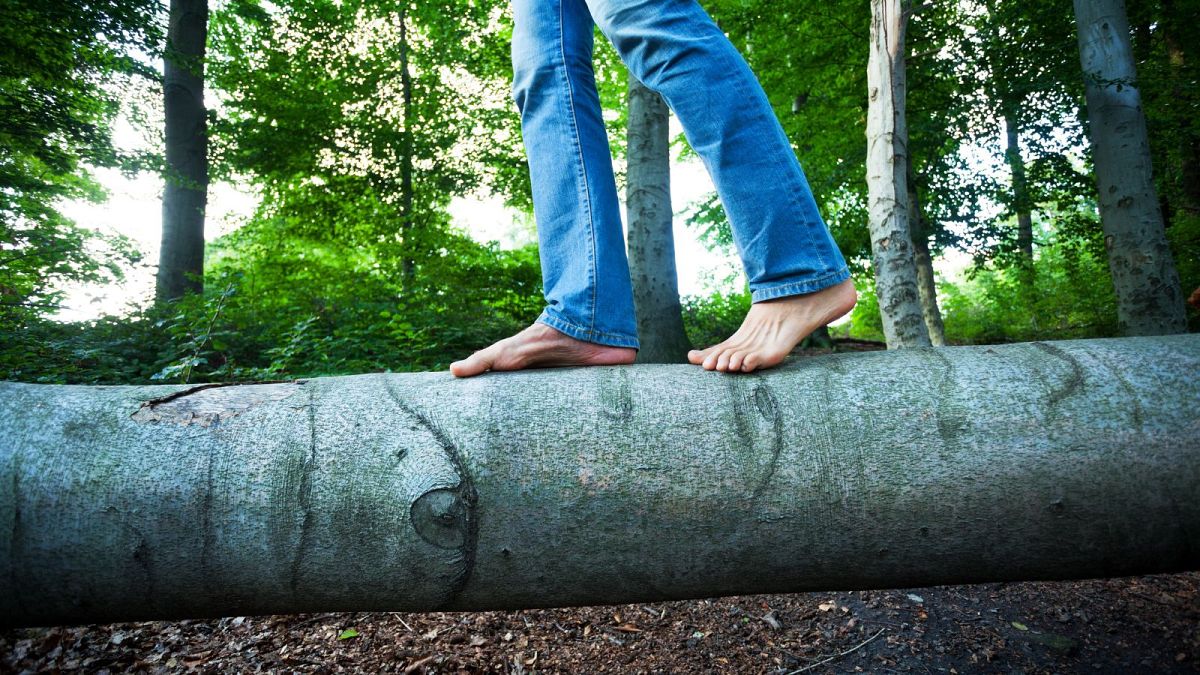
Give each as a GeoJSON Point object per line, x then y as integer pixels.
{"type": "Point", "coordinates": [927, 285]}
{"type": "Point", "coordinates": [1149, 297]}
{"type": "Point", "coordinates": [408, 263]}
{"type": "Point", "coordinates": [1021, 205]}
{"type": "Point", "coordinates": [651, 238]}
{"type": "Point", "coordinates": [887, 195]}
{"type": "Point", "coordinates": [415, 492]}
{"type": "Point", "coordinates": [923, 261]}
{"type": "Point", "coordinates": [185, 193]}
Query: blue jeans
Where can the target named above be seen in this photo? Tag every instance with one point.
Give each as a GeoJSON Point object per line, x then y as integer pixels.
{"type": "Point", "coordinates": [675, 49]}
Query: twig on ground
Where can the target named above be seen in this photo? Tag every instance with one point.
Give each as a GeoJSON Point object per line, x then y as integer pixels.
{"type": "Point", "coordinates": [838, 656]}
{"type": "Point", "coordinates": [402, 622]}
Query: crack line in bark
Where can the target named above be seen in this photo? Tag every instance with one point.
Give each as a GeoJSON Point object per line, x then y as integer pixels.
{"type": "Point", "coordinates": [1074, 381]}
{"type": "Point", "coordinates": [618, 399]}
{"type": "Point", "coordinates": [206, 526]}
{"type": "Point", "coordinates": [768, 407]}
{"type": "Point", "coordinates": [764, 402]}
{"type": "Point", "coordinates": [196, 413]}
{"type": "Point", "coordinates": [465, 491]}
{"type": "Point", "coordinates": [947, 426]}
{"type": "Point", "coordinates": [1138, 412]}
{"type": "Point", "coordinates": [304, 494]}
{"type": "Point", "coordinates": [210, 385]}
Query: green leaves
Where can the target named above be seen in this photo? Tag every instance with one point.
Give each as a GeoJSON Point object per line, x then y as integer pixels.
{"type": "Point", "coordinates": [58, 63]}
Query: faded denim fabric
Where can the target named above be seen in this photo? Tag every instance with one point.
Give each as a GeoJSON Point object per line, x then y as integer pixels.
{"type": "Point", "coordinates": [674, 48]}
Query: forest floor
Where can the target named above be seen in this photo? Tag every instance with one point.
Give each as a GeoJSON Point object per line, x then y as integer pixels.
{"type": "Point", "coordinates": [1147, 624]}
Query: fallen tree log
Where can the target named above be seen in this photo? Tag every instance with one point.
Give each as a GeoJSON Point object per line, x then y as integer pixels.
{"type": "Point", "coordinates": [1049, 460]}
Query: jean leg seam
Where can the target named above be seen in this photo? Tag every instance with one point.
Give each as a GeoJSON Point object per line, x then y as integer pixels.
{"type": "Point", "coordinates": [793, 184]}
{"type": "Point", "coordinates": [810, 285]}
{"type": "Point", "coordinates": [729, 57]}
{"type": "Point", "coordinates": [592, 262]}
{"type": "Point", "coordinates": [564, 325]}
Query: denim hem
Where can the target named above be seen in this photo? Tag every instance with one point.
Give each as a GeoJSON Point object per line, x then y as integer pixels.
{"type": "Point", "coordinates": [580, 333]}
{"type": "Point", "coordinates": [800, 287]}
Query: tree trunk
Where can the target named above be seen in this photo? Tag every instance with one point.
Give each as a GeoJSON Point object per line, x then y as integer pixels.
{"type": "Point", "coordinates": [926, 281]}
{"type": "Point", "coordinates": [651, 240]}
{"type": "Point", "coordinates": [1021, 206]}
{"type": "Point", "coordinates": [408, 261]}
{"type": "Point", "coordinates": [185, 194]}
{"type": "Point", "coordinates": [927, 285]}
{"type": "Point", "coordinates": [413, 492]}
{"type": "Point", "coordinates": [887, 150]}
{"type": "Point", "coordinates": [1149, 299]}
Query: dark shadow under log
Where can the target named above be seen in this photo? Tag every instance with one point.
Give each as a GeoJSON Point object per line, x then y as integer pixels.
{"type": "Point", "coordinates": [418, 492]}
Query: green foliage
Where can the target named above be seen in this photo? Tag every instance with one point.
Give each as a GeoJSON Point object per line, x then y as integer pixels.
{"type": "Point", "coordinates": [193, 333]}
{"type": "Point", "coordinates": [866, 322]}
{"type": "Point", "coordinates": [811, 61]}
{"type": "Point", "coordinates": [1184, 236]}
{"type": "Point", "coordinates": [1069, 294]}
{"type": "Point", "coordinates": [304, 311]}
{"type": "Point", "coordinates": [109, 350]}
{"type": "Point", "coordinates": [1072, 297]}
{"type": "Point", "coordinates": [358, 122]}
{"type": "Point", "coordinates": [713, 318]}
{"type": "Point", "coordinates": [308, 310]}
{"type": "Point", "coordinates": [352, 120]}
{"type": "Point", "coordinates": [61, 64]}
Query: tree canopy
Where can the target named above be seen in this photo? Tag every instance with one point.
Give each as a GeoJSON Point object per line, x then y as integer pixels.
{"type": "Point", "coordinates": [358, 124]}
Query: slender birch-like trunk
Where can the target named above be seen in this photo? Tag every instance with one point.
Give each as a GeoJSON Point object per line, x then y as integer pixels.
{"type": "Point", "coordinates": [651, 241]}
{"type": "Point", "coordinates": [887, 192]}
{"type": "Point", "coordinates": [408, 262]}
{"type": "Point", "coordinates": [927, 284]}
{"type": "Point", "coordinates": [1020, 188]}
{"type": "Point", "coordinates": [926, 280]}
{"type": "Point", "coordinates": [1149, 298]}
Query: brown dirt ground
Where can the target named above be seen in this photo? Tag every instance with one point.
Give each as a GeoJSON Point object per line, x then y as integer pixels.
{"type": "Point", "coordinates": [1130, 625]}
{"type": "Point", "coordinates": [1145, 624]}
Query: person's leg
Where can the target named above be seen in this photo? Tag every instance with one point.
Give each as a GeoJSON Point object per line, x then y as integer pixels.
{"type": "Point", "coordinates": [798, 277]}
{"type": "Point", "coordinates": [589, 314]}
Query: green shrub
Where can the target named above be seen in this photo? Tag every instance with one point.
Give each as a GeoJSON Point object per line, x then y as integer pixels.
{"type": "Point", "coordinates": [709, 319]}
{"type": "Point", "coordinates": [1069, 295]}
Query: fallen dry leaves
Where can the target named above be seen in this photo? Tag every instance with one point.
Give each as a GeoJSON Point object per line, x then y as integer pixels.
{"type": "Point", "coordinates": [1141, 624]}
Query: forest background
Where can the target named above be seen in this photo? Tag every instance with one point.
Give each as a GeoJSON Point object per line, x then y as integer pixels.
{"type": "Point", "coordinates": [356, 124]}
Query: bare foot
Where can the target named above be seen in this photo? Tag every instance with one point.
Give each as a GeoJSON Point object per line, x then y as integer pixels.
{"type": "Point", "coordinates": [540, 346]}
{"type": "Point", "coordinates": [773, 328]}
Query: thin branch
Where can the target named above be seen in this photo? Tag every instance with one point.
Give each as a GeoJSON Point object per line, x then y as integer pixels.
{"type": "Point", "coordinates": [837, 656]}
